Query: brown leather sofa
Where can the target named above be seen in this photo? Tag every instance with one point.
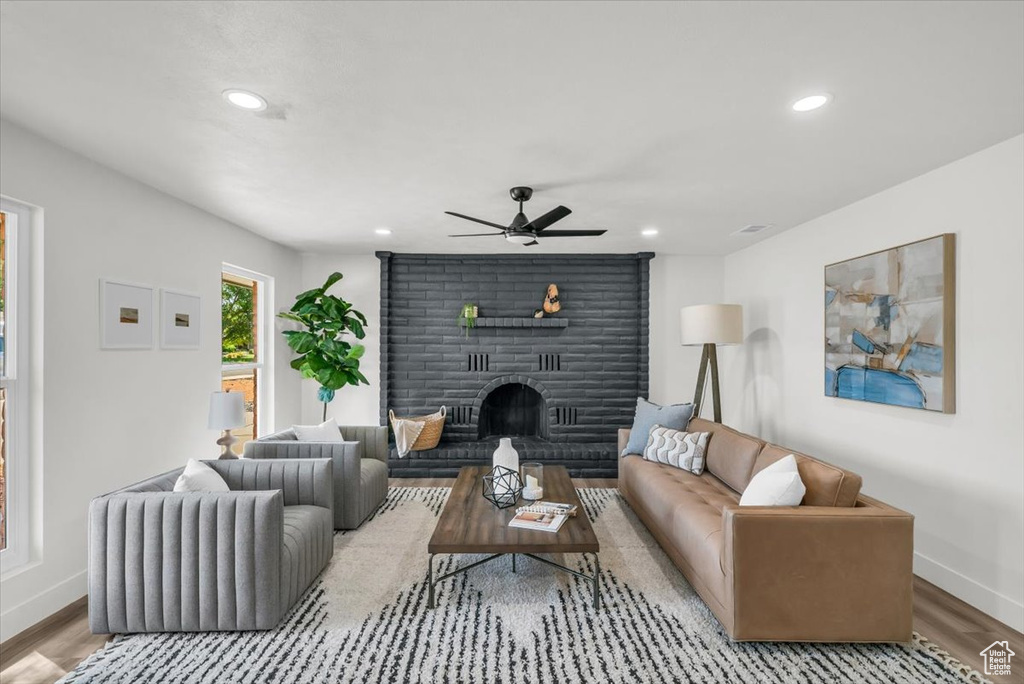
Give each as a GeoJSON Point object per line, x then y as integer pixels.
{"type": "Point", "coordinates": [836, 568]}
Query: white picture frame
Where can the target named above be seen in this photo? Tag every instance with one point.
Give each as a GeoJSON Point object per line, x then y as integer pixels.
{"type": "Point", "coordinates": [127, 315]}
{"type": "Point", "coordinates": [180, 320]}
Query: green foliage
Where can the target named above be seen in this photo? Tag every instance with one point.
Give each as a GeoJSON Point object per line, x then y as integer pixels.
{"type": "Point", "coordinates": [323, 353]}
{"type": "Point", "coordinates": [237, 330]}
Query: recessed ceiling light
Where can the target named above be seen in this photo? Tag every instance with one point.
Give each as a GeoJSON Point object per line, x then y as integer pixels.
{"type": "Point", "coordinates": [243, 99]}
{"type": "Point", "coordinates": [649, 232]}
{"type": "Point", "coordinates": [383, 231]}
{"type": "Point", "coordinates": [806, 104]}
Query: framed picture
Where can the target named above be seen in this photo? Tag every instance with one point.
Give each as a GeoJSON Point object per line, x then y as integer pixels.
{"type": "Point", "coordinates": [890, 326]}
{"type": "Point", "coordinates": [126, 315]}
{"type": "Point", "coordinates": [179, 320]}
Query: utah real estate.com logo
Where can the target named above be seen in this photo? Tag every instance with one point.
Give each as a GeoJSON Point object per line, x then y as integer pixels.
{"type": "Point", "coordinates": [997, 658]}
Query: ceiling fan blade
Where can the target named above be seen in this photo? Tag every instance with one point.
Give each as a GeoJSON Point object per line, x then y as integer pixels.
{"type": "Point", "coordinates": [541, 222]}
{"type": "Point", "coordinates": [470, 218]}
{"type": "Point", "coordinates": [476, 234]}
{"type": "Point", "coordinates": [531, 244]}
{"type": "Point", "coordinates": [571, 233]}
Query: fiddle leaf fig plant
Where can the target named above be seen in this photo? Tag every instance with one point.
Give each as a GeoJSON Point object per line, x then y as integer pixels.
{"type": "Point", "coordinates": [323, 352]}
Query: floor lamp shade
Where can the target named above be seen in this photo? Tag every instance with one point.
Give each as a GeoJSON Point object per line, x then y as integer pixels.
{"type": "Point", "coordinates": [710, 325]}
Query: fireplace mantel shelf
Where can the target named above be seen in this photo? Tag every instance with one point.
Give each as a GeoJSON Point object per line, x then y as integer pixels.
{"type": "Point", "coordinates": [525, 322]}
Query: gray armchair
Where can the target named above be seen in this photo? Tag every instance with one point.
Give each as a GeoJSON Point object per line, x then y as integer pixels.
{"type": "Point", "coordinates": [165, 561]}
{"type": "Point", "coordinates": [360, 467]}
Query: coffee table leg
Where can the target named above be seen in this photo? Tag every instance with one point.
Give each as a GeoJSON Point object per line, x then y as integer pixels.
{"type": "Point", "coordinates": [597, 583]}
{"type": "Point", "coordinates": [513, 562]}
{"type": "Point", "coordinates": [430, 582]}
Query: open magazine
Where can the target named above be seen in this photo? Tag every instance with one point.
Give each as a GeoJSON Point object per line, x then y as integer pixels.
{"type": "Point", "coordinates": [530, 520]}
{"type": "Point", "coordinates": [543, 516]}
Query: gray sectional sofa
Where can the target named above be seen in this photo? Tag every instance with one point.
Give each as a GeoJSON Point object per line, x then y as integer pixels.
{"type": "Point", "coordinates": [161, 561]}
{"type": "Point", "coordinates": [360, 467]}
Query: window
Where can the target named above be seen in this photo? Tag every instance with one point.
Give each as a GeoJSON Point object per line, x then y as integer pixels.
{"type": "Point", "coordinates": [14, 345]}
{"type": "Point", "coordinates": [243, 346]}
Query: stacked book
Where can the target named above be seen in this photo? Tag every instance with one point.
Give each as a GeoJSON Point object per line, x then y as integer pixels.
{"type": "Point", "coordinates": [543, 515]}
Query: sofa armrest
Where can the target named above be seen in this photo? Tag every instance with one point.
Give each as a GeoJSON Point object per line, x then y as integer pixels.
{"type": "Point", "coordinates": [374, 439]}
{"type": "Point", "coordinates": [819, 573]}
{"type": "Point", "coordinates": [303, 481]}
{"type": "Point", "coordinates": [623, 439]}
{"type": "Point", "coordinates": [176, 561]}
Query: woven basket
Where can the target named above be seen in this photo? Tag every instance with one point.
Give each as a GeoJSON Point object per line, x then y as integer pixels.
{"type": "Point", "coordinates": [430, 435]}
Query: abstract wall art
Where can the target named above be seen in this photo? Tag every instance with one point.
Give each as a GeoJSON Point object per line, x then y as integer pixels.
{"type": "Point", "coordinates": [890, 326]}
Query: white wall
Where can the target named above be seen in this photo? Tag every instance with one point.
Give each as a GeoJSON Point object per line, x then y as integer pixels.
{"type": "Point", "coordinates": [678, 281]}
{"type": "Point", "coordinates": [361, 287]}
{"type": "Point", "coordinates": [110, 418]}
{"type": "Point", "coordinates": [961, 475]}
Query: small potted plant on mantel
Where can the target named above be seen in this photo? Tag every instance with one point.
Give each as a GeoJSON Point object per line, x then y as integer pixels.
{"type": "Point", "coordinates": [467, 317]}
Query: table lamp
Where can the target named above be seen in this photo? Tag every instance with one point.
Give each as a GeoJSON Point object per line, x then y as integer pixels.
{"type": "Point", "coordinates": [709, 325]}
{"type": "Point", "coordinates": [227, 411]}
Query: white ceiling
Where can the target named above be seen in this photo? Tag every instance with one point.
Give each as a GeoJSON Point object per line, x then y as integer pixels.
{"type": "Point", "coordinates": [674, 115]}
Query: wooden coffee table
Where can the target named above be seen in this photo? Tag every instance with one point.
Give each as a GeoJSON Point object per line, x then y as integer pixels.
{"type": "Point", "coordinates": [470, 524]}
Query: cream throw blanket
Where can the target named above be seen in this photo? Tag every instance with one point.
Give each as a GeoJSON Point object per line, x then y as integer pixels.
{"type": "Point", "coordinates": [406, 432]}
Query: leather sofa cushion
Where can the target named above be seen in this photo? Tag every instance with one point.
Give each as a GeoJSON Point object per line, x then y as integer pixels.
{"type": "Point", "coordinates": [731, 455]}
{"type": "Point", "coordinates": [687, 509]}
{"type": "Point", "coordinates": [827, 485]}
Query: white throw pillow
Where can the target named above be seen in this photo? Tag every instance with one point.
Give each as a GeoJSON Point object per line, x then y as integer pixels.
{"type": "Point", "coordinates": [677, 448]}
{"type": "Point", "coordinates": [199, 477]}
{"type": "Point", "coordinates": [777, 485]}
{"type": "Point", "coordinates": [326, 431]}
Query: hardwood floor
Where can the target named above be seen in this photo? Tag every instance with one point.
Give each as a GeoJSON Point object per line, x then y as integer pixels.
{"type": "Point", "coordinates": [44, 653]}
{"type": "Point", "coordinates": [49, 650]}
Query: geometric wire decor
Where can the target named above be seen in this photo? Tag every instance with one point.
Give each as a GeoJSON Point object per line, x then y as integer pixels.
{"type": "Point", "coordinates": [502, 486]}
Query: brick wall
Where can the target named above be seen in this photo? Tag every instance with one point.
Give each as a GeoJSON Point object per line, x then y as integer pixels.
{"type": "Point", "coordinates": [589, 372]}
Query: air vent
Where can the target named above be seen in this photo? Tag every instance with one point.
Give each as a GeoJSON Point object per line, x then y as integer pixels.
{"type": "Point", "coordinates": [461, 415]}
{"type": "Point", "coordinates": [565, 415]}
{"type": "Point", "coordinates": [753, 228]}
{"type": "Point", "coordinates": [478, 363]}
{"type": "Point", "coordinates": [549, 362]}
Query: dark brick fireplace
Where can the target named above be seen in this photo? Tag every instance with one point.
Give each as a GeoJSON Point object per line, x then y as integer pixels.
{"type": "Point", "coordinates": [559, 386]}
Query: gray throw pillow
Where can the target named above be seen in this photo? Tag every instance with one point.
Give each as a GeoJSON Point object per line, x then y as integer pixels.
{"type": "Point", "coordinates": [674, 416]}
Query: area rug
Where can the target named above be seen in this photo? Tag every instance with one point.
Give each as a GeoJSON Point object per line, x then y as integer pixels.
{"type": "Point", "coordinates": [366, 620]}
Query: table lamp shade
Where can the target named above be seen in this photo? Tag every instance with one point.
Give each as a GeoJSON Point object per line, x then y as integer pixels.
{"type": "Point", "coordinates": [227, 410]}
{"type": "Point", "coordinates": [711, 324]}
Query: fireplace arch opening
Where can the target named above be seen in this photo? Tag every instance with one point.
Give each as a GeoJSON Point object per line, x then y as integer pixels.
{"type": "Point", "coordinates": [513, 410]}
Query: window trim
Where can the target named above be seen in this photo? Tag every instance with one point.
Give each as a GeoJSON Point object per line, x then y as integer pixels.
{"type": "Point", "coordinates": [17, 381]}
{"type": "Point", "coordinates": [264, 364]}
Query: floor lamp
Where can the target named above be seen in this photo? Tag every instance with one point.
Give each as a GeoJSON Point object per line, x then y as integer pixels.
{"type": "Point", "coordinates": [709, 325]}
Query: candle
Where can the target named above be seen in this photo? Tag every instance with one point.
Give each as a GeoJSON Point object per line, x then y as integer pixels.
{"type": "Point", "coordinates": [532, 490]}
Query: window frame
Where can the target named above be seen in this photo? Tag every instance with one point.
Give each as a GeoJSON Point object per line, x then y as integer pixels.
{"type": "Point", "coordinates": [264, 347]}
{"type": "Point", "coordinates": [15, 378]}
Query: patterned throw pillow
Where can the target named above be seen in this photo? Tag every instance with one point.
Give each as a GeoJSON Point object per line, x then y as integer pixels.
{"type": "Point", "coordinates": [677, 448]}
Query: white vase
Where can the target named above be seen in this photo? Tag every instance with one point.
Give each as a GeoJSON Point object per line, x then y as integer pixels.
{"type": "Point", "coordinates": [506, 455]}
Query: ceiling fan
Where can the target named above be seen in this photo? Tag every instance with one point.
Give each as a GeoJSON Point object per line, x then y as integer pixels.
{"type": "Point", "coordinates": [523, 231]}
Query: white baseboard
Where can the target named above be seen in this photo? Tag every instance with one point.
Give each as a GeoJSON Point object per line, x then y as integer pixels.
{"type": "Point", "coordinates": [41, 606]}
{"type": "Point", "coordinates": [990, 602]}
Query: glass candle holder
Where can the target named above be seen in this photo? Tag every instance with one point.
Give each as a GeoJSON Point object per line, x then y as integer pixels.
{"type": "Point", "coordinates": [533, 481]}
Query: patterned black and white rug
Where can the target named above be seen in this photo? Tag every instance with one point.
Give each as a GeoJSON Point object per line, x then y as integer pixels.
{"type": "Point", "coordinates": [366, 620]}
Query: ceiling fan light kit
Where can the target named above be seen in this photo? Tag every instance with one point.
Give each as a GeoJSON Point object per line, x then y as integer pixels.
{"type": "Point", "coordinates": [523, 231]}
